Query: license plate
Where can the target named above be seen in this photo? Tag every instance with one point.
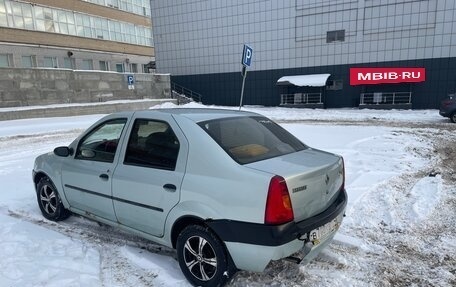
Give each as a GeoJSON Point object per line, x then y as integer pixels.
{"type": "Point", "coordinates": [320, 233]}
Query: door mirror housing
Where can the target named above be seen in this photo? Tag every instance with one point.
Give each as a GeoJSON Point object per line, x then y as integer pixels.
{"type": "Point", "coordinates": [63, 151]}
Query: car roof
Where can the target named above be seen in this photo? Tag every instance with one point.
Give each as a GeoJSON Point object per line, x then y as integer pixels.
{"type": "Point", "coordinates": [203, 114]}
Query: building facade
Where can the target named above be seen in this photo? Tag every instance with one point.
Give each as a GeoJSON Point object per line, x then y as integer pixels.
{"type": "Point", "coordinates": [107, 35]}
{"type": "Point", "coordinates": [376, 53]}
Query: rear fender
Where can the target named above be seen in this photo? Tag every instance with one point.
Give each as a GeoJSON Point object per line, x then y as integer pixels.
{"type": "Point", "coordinates": [192, 209]}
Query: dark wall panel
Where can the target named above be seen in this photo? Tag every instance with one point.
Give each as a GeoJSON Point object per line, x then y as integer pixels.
{"type": "Point", "coordinates": [261, 88]}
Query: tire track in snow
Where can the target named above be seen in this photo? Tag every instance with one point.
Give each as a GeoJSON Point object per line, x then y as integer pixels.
{"type": "Point", "coordinates": [115, 269]}
{"type": "Point", "coordinates": [411, 249]}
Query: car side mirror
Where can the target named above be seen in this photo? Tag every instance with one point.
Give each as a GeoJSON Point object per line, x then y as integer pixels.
{"type": "Point", "coordinates": [63, 151]}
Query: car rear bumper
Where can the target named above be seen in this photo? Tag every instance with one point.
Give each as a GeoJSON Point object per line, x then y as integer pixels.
{"type": "Point", "coordinates": [276, 235]}
{"type": "Point", "coordinates": [252, 246]}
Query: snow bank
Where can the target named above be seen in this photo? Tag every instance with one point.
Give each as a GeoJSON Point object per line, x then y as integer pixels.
{"type": "Point", "coordinates": [335, 115]}
{"type": "Point", "coordinates": [35, 256]}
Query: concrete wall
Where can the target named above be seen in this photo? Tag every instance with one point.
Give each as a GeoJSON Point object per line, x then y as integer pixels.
{"type": "Point", "coordinates": [77, 110]}
{"type": "Point", "coordinates": [30, 87]}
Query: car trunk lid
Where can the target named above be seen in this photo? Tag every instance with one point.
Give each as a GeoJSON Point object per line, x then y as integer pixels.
{"type": "Point", "coordinates": [313, 178]}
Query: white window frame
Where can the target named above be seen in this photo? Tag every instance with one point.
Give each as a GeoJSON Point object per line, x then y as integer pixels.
{"type": "Point", "coordinates": [88, 61]}
{"type": "Point", "coordinates": [55, 62]}
{"type": "Point", "coordinates": [9, 60]}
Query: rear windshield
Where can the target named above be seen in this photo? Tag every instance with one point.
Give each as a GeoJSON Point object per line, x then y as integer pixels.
{"type": "Point", "coordinates": [251, 139]}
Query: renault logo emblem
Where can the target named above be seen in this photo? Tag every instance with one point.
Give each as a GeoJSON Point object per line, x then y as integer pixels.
{"type": "Point", "coordinates": [327, 179]}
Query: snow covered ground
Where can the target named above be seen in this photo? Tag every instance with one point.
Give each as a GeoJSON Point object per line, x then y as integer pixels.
{"type": "Point", "coordinates": [400, 228]}
{"type": "Point", "coordinates": [75, 105]}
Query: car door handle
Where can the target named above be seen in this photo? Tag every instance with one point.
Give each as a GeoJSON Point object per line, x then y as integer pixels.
{"type": "Point", "coordinates": [104, 176]}
{"type": "Point", "coordinates": [170, 187]}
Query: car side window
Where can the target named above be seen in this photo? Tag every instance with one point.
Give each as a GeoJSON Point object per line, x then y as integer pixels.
{"type": "Point", "coordinates": [152, 144]}
{"type": "Point", "coordinates": [101, 143]}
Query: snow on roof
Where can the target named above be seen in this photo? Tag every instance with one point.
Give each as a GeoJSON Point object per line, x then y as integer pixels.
{"type": "Point", "coordinates": [316, 80]}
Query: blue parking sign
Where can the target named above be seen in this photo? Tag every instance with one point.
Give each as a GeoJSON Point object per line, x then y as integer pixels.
{"type": "Point", "coordinates": [130, 80]}
{"type": "Point", "coordinates": [247, 56]}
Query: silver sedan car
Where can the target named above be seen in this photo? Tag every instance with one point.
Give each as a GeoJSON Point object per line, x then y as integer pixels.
{"type": "Point", "coordinates": [228, 190]}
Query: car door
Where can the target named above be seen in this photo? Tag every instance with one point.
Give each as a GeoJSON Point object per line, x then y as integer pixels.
{"type": "Point", "coordinates": [148, 178]}
{"type": "Point", "coordinates": [87, 176]}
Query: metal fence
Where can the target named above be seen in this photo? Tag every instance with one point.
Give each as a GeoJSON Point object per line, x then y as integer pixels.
{"type": "Point", "coordinates": [395, 98]}
{"type": "Point", "coordinates": [186, 92]}
{"type": "Point", "coordinates": [300, 99]}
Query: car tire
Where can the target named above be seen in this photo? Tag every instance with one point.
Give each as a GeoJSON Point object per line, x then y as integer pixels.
{"type": "Point", "coordinates": [49, 201]}
{"type": "Point", "coordinates": [453, 117]}
{"type": "Point", "coordinates": [203, 258]}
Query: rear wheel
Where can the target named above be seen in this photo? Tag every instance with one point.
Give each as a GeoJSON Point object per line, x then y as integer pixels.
{"type": "Point", "coordinates": [49, 201]}
{"type": "Point", "coordinates": [453, 117]}
{"type": "Point", "coordinates": [202, 257]}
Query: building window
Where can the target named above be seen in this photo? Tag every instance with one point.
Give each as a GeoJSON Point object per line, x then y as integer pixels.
{"type": "Point", "coordinates": [141, 33]}
{"type": "Point", "coordinates": [140, 7]}
{"type": "Point", "coordinates": [21, 14]}
{"type": "Point", "coordinates": [335, 36]}
{"type": "Point", "coordinates": [28, 61]}
{"type": "Point", "coordinates": [69, 63]}
{"type": "Point", "coordinates": [83, 25]}
{"type": "Point", "coordinates": [120, 68]}
{"type": "Point", "coordinates": [44, 18]}
{"type": "Point", "coordinates": [129, 33]}
{"type": "Point", "coordinates": [33, 17]}
{"type": "Point", "coordinates": [50, 62]}
{"type": "Point", "coordinates": [99, 2]}
{"type": "Point", "coordinates": [335, 85]}
{"type": "Point", "coordinates": [6, 60]}
{"type": "Point", "coordinates": [101, 29]}
{"type": "Point", "coordinates": [104, 66]}
{"type": "Point", "coordinates": [66, 23]}
{"type": "Point", "coordinates": [116, 31]}
{"type": "Point", "coordinates": [3, 18]}
{"type": "Point", "coordinates": [113, 3]}
{"type": "Point", "coordinates": [134, 68]}
{"type": "Point", "coordinates": [144, 36]}
{"type": "Point", "coordinates": [87, 64]}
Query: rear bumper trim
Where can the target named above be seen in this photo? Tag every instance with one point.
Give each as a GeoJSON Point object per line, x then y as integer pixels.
{"type": "Point", "coordinates": [275, 235]}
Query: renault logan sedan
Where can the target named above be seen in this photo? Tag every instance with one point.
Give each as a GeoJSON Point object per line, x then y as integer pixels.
{"type": "Point", "coordinates": [228, 190]}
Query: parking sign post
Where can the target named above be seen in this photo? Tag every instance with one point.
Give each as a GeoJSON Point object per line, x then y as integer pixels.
{"type": "Point", "coordinates": [131, 82]}
{"type": "Point", "coordinates": [246, 61]}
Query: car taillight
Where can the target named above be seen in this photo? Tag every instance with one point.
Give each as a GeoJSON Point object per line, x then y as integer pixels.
{"type": "Point", "coordinates": [446, 103]}
{"type": "Point", "coordinates": [278, 203]}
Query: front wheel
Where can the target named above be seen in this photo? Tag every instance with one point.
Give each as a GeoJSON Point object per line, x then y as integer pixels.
{"type": "Point", "coordinates": [453, 117]}
{"type": "Point", "coordinates": [202, 257]}
{"type": "Point", "coordinates": [49, 201]}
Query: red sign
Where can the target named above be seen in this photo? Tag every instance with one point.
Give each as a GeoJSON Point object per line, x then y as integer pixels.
{"type": "Point", "coordinates": [373, 76]}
